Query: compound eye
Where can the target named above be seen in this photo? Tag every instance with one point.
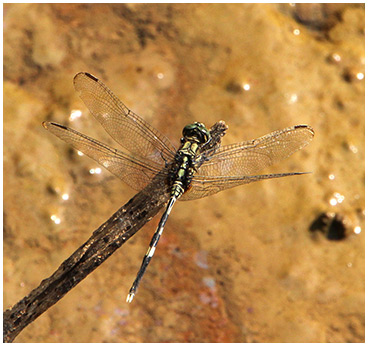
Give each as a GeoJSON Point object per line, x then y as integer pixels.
{"type": "Point", "coordinates": [196, 131]}
{"type": "Point", "coordinates": [189, 130]}
{"type": "Point", "coordinates": [205, 134]}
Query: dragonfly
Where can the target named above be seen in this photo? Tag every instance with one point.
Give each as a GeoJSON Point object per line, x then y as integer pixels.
{"type": "Point", "coordinates": [196, 170]}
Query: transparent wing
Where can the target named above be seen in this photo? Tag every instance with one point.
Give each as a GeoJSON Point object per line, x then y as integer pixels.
{"type": "Point", "coordinates": [125, 127]}
{"type": "Point", "coordinates": [203, 186]}
{"type": "Point", "coordinates": [233, 165]}
{"type": "Point", "coordinates": [252, 156]}
{"type": "Point", "coordinates": [134, 172]}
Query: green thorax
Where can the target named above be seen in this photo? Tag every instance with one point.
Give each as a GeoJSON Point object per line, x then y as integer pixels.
{"type": "Point", "coordinates": [194, 137]}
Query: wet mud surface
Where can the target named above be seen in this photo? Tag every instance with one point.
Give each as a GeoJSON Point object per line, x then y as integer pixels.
{"type": "Point", "coordinates": [274, 261]}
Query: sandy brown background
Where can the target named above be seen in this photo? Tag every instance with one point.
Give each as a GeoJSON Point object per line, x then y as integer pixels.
{"type": "Point", "coordinates": [241, 266]}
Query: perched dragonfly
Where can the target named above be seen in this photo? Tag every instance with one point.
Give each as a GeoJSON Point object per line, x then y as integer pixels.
{"type": "Point", "coordinates": [197, 169]}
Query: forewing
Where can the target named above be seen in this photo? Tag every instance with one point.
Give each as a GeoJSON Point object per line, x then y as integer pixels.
{"type": "Point", "coordinates": [250, 157]}
{"type": "Point", "coordinates": [131, 170]}
{"type": "Point", "coordinates": [127, 128]}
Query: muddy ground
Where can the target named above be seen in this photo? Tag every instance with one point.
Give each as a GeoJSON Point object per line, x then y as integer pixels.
{"type": "Point", "coordinates": [275, 261]}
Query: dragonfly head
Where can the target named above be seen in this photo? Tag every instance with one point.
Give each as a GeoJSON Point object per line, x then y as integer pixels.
{"type": "Point", "coordinates": [196, 132]}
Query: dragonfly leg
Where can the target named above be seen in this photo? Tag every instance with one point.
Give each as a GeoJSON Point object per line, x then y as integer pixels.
{"type": "Point", "coordinates": [163, 158]}
{"type": "Point", "coordinates": [151, 250]}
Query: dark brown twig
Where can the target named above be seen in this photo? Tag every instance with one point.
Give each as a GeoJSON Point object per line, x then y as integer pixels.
{"type": "Point", "coordinates": [101, 245]}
